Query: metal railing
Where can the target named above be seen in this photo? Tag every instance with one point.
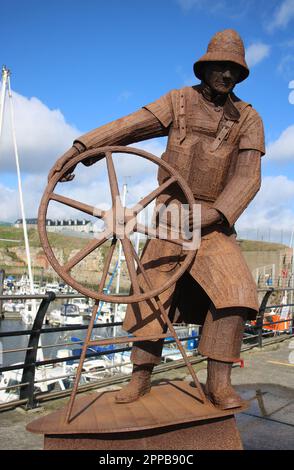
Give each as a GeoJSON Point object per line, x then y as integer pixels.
{"type": "Point", "coordinates": [29, 397]}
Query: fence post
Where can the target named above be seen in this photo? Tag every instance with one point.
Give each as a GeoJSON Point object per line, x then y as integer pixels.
{"type": "Point", "coordinates": [29, 369]}
{"type": "Point", "coordinates": [260, 315]}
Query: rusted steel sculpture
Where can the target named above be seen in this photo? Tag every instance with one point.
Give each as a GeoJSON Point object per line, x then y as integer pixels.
{"type": "Point", "coordinates": [120, 223]}
{"type": "Point", "coordinates": [215, 142]}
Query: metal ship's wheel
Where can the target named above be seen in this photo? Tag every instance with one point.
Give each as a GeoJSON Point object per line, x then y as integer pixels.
{"type": "Point", "coordinates": [123, 223]}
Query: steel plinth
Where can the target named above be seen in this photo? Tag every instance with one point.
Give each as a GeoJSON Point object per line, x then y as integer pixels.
{"type": "Point", "coordinates": [171, 416]}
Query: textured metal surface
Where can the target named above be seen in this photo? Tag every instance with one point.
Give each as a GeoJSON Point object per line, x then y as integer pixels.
{"type": "Point", "coordinates": [219, 257]}
{"type": "Point", "coordinates": [222, 334]}
{"type": "Point", "coordinates": [64, 271]}
{"type": "Point", "coordinates": [208, 129]}
{"type": "Point", "coordinates": [225, 45]}
{"type": "Point", "coordinates": [166, 405]}
{"type": "Point", "coordinates": [117, 214]}
{"type": "Point", "coordinates": [215, 434]}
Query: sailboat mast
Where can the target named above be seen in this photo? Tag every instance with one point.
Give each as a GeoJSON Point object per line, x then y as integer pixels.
{"type": "Point", "coordinates": [117, 286]}
{"type": "Point", "coordinates": [5, 75]}
{"type": "Point", "coordinates": [24, 225]}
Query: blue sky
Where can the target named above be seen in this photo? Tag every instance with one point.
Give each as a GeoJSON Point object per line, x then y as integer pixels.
{"type": "Point", "coordinates": [86, 62]}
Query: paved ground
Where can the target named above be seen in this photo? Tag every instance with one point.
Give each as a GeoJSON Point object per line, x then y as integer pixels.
{"type": "Point", "coordinates": [267, 380]}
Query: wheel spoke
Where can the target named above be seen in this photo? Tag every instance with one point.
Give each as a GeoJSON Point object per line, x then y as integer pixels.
{"type": "Point", "coordinates": [126, 244]}
{"type": "Point", "coordinates": [107, 265]}
{"type": "Point", "coordinates": [150, 197]}
{"type": "Point", "coordinates": [155, 234]}
{"type": "Point", "coordinates": [91, 210]}
{"type": "Point", "coordinates": [112, 178]}
{"type": "Point", "coordinates": [85, 251]}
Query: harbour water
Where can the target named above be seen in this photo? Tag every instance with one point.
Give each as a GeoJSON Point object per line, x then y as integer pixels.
{"type": "Point", "coordinates": [47, 339]}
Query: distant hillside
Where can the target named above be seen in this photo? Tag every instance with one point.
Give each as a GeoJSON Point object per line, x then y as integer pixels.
{"type": "Point", "coordinates": [253, 245]}
{"type": "Point", "coordinates": [68, 243]}
{"type": "Point", "coordinates": [6, 223]}
{"type": "Point", "coordinates": [57, 240]}
{"type": "Point", "coordinates": [13, 256]}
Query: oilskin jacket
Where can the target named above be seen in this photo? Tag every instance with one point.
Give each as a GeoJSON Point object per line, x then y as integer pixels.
{"type": "Point", "coordinates": [205, 144]}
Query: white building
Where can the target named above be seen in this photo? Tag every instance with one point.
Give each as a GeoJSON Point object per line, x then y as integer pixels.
{"type": "Point", "coordinates": [59, 225]}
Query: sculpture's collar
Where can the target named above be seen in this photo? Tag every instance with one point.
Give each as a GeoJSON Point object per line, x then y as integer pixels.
{"type": "Point", "coordinates": [225, 101]}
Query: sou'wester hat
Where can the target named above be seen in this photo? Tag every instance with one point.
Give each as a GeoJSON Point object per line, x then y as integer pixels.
{"type": "Point", "coordinates": [225, 45]}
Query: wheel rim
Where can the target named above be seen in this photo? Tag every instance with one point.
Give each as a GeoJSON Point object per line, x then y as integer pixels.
{"type": "Point", "coordinates": [64, 271]}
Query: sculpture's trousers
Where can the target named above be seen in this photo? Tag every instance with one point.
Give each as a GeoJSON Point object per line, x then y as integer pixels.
{"type": "Point", "coordinates": [221, 338]}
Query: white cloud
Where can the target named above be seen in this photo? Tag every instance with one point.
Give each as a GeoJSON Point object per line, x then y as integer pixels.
{"type": "Point", "coordinates": [125, 95]}
{"type": "Point", "coordinates": [42, 135]}
{"type": "Point", "coordinates": [291, 94]}
{"type": "Point", "coordinates": [188, 4]}
{"type": "Point", "coordinates": [282, 149]}
{"type": "Point", "coordinates": [256, 52]}
{"type": "Point", "coordinates": [226, 8]}
{"type": "Point", "coordinates": [8, 203]}
{"type": "Point", "coordinates": [186, 79]}
{"type": "Point", "coordinates": [284, 14]}
{"type": "Point", "coordinates": [271, 208]}
{"type": "Point", "coordinates": [89, 186]}
{"type": "Point", "coordinates": [286, 66]}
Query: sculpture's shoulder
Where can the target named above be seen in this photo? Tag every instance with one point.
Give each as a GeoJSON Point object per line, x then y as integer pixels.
{"type": "Point", "coordinates": [251, 128]}
{"type": "Point", "coordinates": [243, 105]}
{"type": "Point", "coordinates": [179, 98]}
{"type": "Point", "coordinates": [169, 106]}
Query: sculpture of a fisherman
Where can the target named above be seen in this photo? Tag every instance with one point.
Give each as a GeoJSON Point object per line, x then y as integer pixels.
{"type": "Point", "coordinates": [215, 141]}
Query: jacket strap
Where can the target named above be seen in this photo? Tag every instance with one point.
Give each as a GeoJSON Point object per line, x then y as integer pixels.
{"type": "Point", "coordinates": [230, 129]}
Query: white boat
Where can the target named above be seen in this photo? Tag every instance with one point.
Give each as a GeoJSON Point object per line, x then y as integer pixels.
{"type": "Point", "coordinates": [68, 314]}
{"type": "Point", "coordinates": [12, 306]}
{"type": "Point", "coordinates": [105, 313]}
{"type": "Point", "coordinates": [120, 312]}
{"type": "Point", "coordinates": [29, 311]}
{"type": "Point", "coordinates": [53, 287]}
{"type": "Point", "coordinates": [170, 351]}
{"type": "Point", "coordinates": [47, 378]}
{"type": "Point", "coordinates": [83, 304]}
{"type": "Point", "coordinates": [93, 369]}
{"type": "Point", "coordinates": [122, 363]}
{"type": "Point", "coordinates": [23, 282]}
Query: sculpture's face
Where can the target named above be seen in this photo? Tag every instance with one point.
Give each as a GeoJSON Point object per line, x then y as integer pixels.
{"type": "Point", "coordinates": [221, 76]}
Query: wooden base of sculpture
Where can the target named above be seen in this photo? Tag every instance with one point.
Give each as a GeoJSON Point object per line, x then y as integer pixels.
{"type": "Point", "coordinates": [170, 417]}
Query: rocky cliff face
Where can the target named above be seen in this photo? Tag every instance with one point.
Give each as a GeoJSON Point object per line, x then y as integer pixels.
{"type": "Point", "coordinates": [88, 271]}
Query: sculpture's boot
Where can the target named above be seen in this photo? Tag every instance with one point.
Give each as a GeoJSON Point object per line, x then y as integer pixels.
{"type": "Point", "coordinates": [218, 386]}
{"type": "Point", "coordinates": [220, 342]}
{"type": "Point", "coordinates": [139, 385]}
{"type": "Point", "coordinates": [145, 355]}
